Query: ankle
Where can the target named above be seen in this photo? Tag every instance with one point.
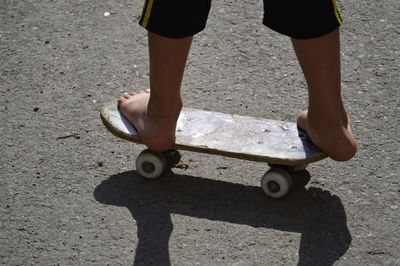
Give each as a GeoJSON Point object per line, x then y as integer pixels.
{"type": "Point", "coordinates": [164, 109]}
{"type": "Point", "coordinates": [332, 118]}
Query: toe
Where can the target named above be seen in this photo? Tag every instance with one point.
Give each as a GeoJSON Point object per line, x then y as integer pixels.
{"type": "Point", "coordinates": [126, 95]}
{"type": "Point", "coordinates": [302, 120]}
{"type": "Point", "coordinates": [121, 99]}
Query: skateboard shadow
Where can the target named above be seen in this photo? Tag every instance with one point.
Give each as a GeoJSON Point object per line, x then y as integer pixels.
{"type": "Point", "coordinates": [316, 214]}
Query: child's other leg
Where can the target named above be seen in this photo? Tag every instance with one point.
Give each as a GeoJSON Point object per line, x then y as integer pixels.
{"type": "Point", "coordinates": [155, 113]}
{"type": "Point", "coordinates": [326, 121]}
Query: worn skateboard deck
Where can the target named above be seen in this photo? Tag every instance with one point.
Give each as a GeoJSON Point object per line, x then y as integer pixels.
{"type": "Point", "coordinates": [242, 137]}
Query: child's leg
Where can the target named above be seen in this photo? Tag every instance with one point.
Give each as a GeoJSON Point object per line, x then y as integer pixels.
{"type": "Point", "coordinates": [326, 121]}
{"type": "Point", "coordinates": [155, 113]}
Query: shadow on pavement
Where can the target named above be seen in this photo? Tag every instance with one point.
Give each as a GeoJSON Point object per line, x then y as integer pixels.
{"type": "Point", "coordinates": [316, 214]}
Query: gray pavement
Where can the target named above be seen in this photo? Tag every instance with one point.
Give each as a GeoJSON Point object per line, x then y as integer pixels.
{"type": "Point", "coordinates": [69, 193]}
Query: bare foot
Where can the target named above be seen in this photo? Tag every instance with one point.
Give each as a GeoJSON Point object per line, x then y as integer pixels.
{"type": "Point", "coordinates": [156, 125]}
{"type": "Point", "coordinates": [337, 141]}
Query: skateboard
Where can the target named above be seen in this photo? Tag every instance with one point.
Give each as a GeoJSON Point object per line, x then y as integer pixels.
{"type": "Point", "coordinates": [281, 144]}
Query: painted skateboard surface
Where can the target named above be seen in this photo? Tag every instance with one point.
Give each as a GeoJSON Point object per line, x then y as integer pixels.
{"type": "Point", "coordinates": [277, 143]}
{"type": "Point", "coordinates": [243, 137]}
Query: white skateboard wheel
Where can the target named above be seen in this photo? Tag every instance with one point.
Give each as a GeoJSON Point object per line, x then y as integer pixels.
{"type": "Point", "coordinates": [276, 183]}
{"type": "Point", "coordinates": [150, 164]}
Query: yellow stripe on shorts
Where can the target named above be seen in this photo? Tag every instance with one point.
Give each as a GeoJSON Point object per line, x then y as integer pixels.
{"type": "Point", "coordinates": [148, 6]}
{"type": "Point", "coordinates": [337, 14]}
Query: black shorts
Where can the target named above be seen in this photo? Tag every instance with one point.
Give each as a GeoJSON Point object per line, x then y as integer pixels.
{"type": "Point", "coordinates": [295, 18]}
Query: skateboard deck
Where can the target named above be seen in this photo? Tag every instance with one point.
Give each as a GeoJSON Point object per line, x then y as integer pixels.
{"type": "Point", "coordinates": [237, 136]}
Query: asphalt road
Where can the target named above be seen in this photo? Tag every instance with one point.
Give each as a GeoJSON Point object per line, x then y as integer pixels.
{"type": "Point", "coordinates": [70, 194]}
